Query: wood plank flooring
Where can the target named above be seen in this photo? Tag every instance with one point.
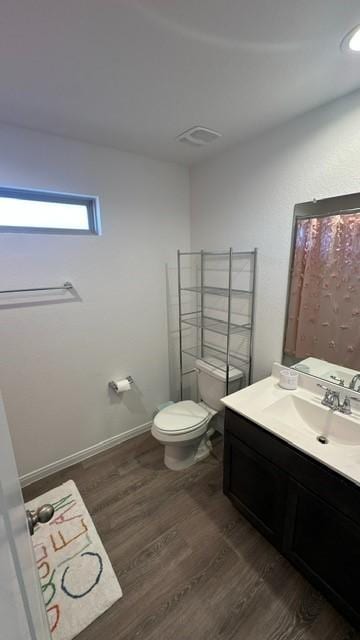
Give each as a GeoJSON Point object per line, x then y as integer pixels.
{"type": "Point", "coordinates": [190, 566]}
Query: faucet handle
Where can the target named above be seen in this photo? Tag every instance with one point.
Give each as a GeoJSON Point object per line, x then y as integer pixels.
{"type": "Point", "coordinates": [346, 405]}
{"type": "Point", "coordinates": [331, 398]}
{"type": "Point", "coordinates": [328, 390]}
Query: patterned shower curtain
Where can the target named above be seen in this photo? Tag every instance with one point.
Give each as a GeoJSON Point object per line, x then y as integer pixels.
{"type": "Point", "coordinates": [324, 303]}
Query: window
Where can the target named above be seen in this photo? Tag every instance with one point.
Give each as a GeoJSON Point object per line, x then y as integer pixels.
{"type": "Point", "coordinates": [43, 212]}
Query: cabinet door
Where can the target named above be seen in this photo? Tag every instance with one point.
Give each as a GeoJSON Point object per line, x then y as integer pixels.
{"type": "Point", "coordinates": [325, 545]}
{"type": "Point", "coordinates": [256, 486]}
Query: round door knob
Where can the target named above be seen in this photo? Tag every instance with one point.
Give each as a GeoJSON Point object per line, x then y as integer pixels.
{"type": "Point", "coordinates": [42, 515]}
{"type": "Point", "coordinates": [45, 513]}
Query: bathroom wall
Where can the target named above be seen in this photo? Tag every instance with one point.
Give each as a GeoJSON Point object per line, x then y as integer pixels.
{"type": "Point", "coordinates": [57, 353]}
{"type": "Point", "coordinates": [245, 198]}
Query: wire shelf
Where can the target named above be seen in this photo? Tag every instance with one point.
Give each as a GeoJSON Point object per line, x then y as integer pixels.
{"type": "Point", "coordinates": [218, 291]}
{"type": "Point", "coordinates": [208, 353]}
{"type": "Point", "coordinates": [216, 325]}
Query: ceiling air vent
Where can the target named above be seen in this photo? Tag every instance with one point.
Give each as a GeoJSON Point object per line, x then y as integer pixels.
{"type": "Point", "coordinates": [198, 136]}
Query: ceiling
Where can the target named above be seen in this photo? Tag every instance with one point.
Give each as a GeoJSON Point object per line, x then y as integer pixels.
{"type": "Point", "coordinates": [134, 74]}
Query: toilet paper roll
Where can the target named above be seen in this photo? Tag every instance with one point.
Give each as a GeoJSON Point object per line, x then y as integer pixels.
{"type": "Point", "coordinates": [119, 386]}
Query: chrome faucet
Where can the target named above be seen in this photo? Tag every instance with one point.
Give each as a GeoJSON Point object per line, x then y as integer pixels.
{"type": "Point", "coordinates": [354, 381]}
{"type": "Point", "coordinates": [332, 400]}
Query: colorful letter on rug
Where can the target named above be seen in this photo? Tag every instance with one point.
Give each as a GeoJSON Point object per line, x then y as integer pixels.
{"type": "Point", "coordinates": [77, 580]}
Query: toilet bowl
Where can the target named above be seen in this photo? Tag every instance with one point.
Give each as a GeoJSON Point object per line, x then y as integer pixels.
{"type": "Point", "coordinates": [184, 427]}
{"type": "Point", "coordinates": [183, 430]}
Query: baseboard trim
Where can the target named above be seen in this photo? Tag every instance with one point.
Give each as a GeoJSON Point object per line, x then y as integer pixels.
{"type": "Point", "coordinates": [79, 456]}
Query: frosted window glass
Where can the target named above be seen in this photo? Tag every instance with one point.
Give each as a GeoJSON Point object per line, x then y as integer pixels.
{"type": "Point", "coordinates": [16, 212]}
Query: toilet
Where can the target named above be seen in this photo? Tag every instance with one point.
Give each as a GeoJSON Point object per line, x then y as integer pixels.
{"type": "Point", "coordinates": [183, 427]}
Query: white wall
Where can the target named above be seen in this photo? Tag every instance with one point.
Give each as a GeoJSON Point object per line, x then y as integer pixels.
{"type": "Point", "coordinates": [56, 357]}
{"type": "Point", "coordinates": [245, 198]}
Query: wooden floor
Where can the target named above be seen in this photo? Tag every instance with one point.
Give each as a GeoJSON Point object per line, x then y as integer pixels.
{"type": "Point", "coordinates": [191, 568]}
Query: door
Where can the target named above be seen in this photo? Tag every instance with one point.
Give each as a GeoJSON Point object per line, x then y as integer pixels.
{"type": "Point", "coordinates": [256, 486]}
{"type": "Point", "coordinates": [22, 609]}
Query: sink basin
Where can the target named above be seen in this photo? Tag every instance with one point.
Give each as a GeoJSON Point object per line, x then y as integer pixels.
{"type": "Point", "coordinates": [300, 413]}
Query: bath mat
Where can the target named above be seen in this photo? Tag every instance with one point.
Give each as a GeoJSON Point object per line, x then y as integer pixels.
{"type": "Point", "coordinates": [77, 580]}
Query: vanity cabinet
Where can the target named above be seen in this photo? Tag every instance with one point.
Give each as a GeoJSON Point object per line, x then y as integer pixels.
{"type": "Point", "coordinates": [257, 487]}
{"type": "Point", "coordinates": [310, 513]}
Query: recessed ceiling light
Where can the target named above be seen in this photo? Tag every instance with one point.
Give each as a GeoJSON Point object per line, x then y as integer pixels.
{"type": "Point", "coordinates": [351, 42]}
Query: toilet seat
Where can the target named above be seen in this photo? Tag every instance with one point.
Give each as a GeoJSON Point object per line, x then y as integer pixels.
{"type": "Point", "coordinates": [180, 418]}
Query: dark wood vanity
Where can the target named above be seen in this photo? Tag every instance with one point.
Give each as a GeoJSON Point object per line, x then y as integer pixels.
{"type": "Point", "coordinates": [310, 513]}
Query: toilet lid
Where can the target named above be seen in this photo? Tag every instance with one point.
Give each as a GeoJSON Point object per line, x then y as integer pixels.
{"type": "Point", "coordinates": [180, 417]}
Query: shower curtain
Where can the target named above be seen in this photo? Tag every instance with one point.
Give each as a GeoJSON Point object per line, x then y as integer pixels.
{"type": "Point", "coordinates": [324, 299]}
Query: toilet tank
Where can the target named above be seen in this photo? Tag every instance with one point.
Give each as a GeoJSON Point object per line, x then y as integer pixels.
{"type": "Point", "coordinates": [212, 381]}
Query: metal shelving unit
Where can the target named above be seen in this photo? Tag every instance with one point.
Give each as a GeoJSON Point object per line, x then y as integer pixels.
{"type": "Point", "coordinates": [200, 319]}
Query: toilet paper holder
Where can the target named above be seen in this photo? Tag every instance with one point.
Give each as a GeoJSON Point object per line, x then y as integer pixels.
{"type": "Point", "coordinates": [114, 385]}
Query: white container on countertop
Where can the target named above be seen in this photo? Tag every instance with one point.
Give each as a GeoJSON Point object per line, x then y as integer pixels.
{"type": "Point", "coordinates": [288, 379]}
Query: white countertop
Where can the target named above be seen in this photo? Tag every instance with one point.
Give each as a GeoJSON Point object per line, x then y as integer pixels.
{"type": "Point", "coordinates": [254, 403]}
